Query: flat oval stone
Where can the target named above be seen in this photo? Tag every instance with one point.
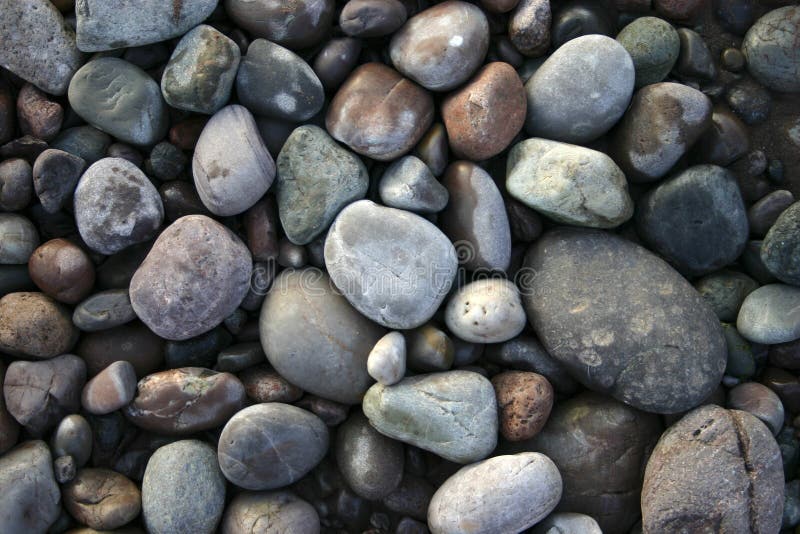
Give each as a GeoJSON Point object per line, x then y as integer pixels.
{"type": "Point", "coordinates": [275, 511]}
{"type": "Point", "coordinates": [103, 26]}
{"type": "Point", "coordinates": [103, 310]}
{"type": "Point", "coordinates": [18, 239]}
{"type": "Point", "coordinates": [86, 142]}
{"type": "Point", "coordinates": [73, 437]}
{"type": "Point", "coordinates": [316, 179]}
{"type": "Point", "coordinates": [378, 113]}
{"type": "Point", "coordinates": [660, 350]}
{"type": "Point", "coordinates": [760, 401]}
{"type": "Point", "coordinates": [102, 499]}
{"type": "Point", "coordinates": [580, 91]}
{"type": "Point", "coordinates": [231, 166]}
{"type": "Point", "coordinates": [387, 359]}
{"type": "Point", "coordinates": [38, 46]}
{"type": "Point", "coordinates": [195, 276]}
{"type": "Point", "coordinates": [779, 250]}
{"type": "Point", "coordinates": [111, 389]}
{"type": "Point", "coordinates": [770, 47]}
{"type": "Point", "coordinates": [337, 58]}
{"type": "Point", "coordinates": [770, 314]}
{"type": "Point", "coordinates": [180, 402]}
{"type": "Point", "coordinates": [410, 185]}
{"type": "Point", "coordinates": [296, 25]}
{"type": "Point", "coordinates": [507, 493]}
{"type": "Point", "coordinates": [654, 46]}
{"type": "Point", "coordinates": [372, 18]}
{"type": "Point", "coordinates": [31, 495]}
{"type": "Point", "coordinates": [116, 206]}
{"type": "Point", "coordinates": [370, 249]}
{"type": "Point", "coordinates": [304, 317]}
{"type": "Point", "coordinates": [695, 59]}
{"type": "Point", "coordinates": [55, 174]}
{"type": "Point", "coordinates": [271, 445]}
{"type": "Point", "coordinates": [486, 311]}
{"type": "Point", "coordinates": [120, 99]}
{"type": "Point", "coordinates": [451, 414]}
{"type": "Point", "coordinates": [35, 326]}
{"type": "Point", "coordinates": [132, 342]}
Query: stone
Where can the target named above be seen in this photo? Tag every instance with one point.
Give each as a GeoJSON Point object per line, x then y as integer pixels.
{"type": "Point", "coordinates": [568, 183]}
{"type": "Point", "coordinates": [16, 184]}
{"type": "Point", "coordinates": [172, 282]}
{"type": "Point", "coordinates": [409, 184]}
{"type": "Point", "coordinates": [529, 27]}
{"type": "Point", "coordinates": [303, 317]}
{"type": "Point", "coordinates": [525, 401]}
{"type": "Point", "coordinates": [764, 214]}
{"type": "Point", "coordinates": [725, 291]}
{"type": "Point", "coordinates": [239, 357]}
{"type": "Point", "coordinates": [73, 437]}
{"type": "Point", "coordinates": [111, 389]}
{"type": "Point", "coordinates": [62, 270]}
{"type": "Point", "coordinates": [432, 149]}
{"type": "Point", "coordinates": [371, 248]}
{"type": "Point", "coordinates": [331, 413]}
{"type": "Point", "coordinates": [300, 24]}
{"type": "Point", "coordinates": [578, 18]}
{"type": "Point", "coordinates": [661, 350]}
{"type": "Point", "coordinates": [760, 401]}
{"type": "Point", "coordinates": [104, 310]}
{"type": "Point", "coordinates": [39, 394]}
{"type": "Point", "coordinates": [770, 47]}
{"type": "Point", "coordinates": [695, 60]}
{"type": "Point", "coordinates": [261, 228]}
{"type": "Point", "coordinates": [275, 82]}
{"type": "Point", "coordinates": [132, 342]}
{"type": "Point", "coordinates": [386, 362]}
{"type": "Point", "coordinates": [486, 311]}
{"type": "Point", "coordinates": [55, 175]}
{"type": "Point", "coordinates": [38, 116]}
{"type": "Point", "coordinates": [567, 523]}
{"type": "Point", "coordinates": [18, 239]}
{"type": "Point", "coordinates": [451, 414]}
{"type": "Point", "coordinates": [751, 101]}
{"type": "Point", "coordinates": [441, 47]}
{"type": "Point", "coordinates": [372, 18]}
{"type": "Point", "coordinates": [275, 511]}
{"type": "Point", "coordinates": [429, 349]}
{"type": "Point", "coordinates": [38, 45]}
{"type": "Point", "coordinates": [102, 26]}
{"type": "Point", "coordinates": [316, 179]}
{"type": "Point", "coordinates": [102, 499]}
{"type": "Point", "coordinates": [64, 469]}
{"type": "Point", "coordinates": [741, 361]}
{"type": "Point", "coordinates": [483, 116]}
{"type": "Point", "coordinates": [378, 113]}
{"type": "Point", "coordinates": [167, 506]}
{"type": "Point", "coordinates": [199, 351]}
{"type": "Point", "coordinates": [779, 250]}
{"type": "Point", "coordinates": [654, 46]}
{"type": "Point", "coordinates": [180, 402]}
{"type": "Point", "coordinates": [696, 220]}
{"type": "Point", "coordinates": [9, 428]}
{"type": "Point", "coordinates": [580, 91]}
{"type": "Point", "coordinates": [732, 58]}
{"type": "Point", "coordinates": [335, 61]}
{"type": "Point", "coordinates": [507, 493]}
{"type": "Point", "coordinates": [525, 353]}
{"type": "Point", "coordinates": [15, 278]}
{"type": "Point", "coordinates": [697, 477]}
{"type": "Point", "coordinates": [680, 10]}
{"type": "Point", "coordinates": [120, 99]}
{"type": "Point", "coordinates": [770, 314]}
{"type": "Point", "coordinates": [35, 326]}
{"type": "Point", "coordinates": [30, 493]}
{"type": "Point", "coordinates": [268, 446]}
{"type": "Point", "coordinates": [166, 161]}
{"type": "Point", "coordinates": [86, 142]}
{"type": "Point", "coordinates": [725, 142]}
{"type": "Point", "coordinates": [475, 218]}
{"type": "Point", "coordinates": [262, 384]}
{"type": "Point", "coordinates": [411, 498]}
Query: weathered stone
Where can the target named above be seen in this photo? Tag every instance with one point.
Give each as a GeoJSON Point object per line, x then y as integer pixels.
{"type": "Point", "coordinates": [31, 496]}
{"type": "Point", "coordinates": [16, 184]}
{"type": "Point", "coordinates": [779, 250]}
{"type": "Point", "coordinates": [529, 27]}
{"type": "Point", "coordinates": [18, 239]}
{"type": "Point", "coordinates": [486, 311]}
{"type": "Point", "coordinates": [102, 499]}
{"type": "Point", "coordinates": [55, 175]}
{"type": "Point", "coordinates": [35, 326]}
{"type": "Point", "coordinates": [654, 46]}
{"type": "Point", "coordinates": [277, 511]}
{"type": "Point", "coordinates": [38, 116]}
{"type": "Point", "coordinates": [525, 401]}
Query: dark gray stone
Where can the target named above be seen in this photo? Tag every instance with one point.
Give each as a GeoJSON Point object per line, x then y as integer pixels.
{"type": "Point", "coordinates": [31, 496]}
{"type": "Point", "coordinates": [695, 60]}
{"type": "Point", "coordinates": [55, 175]}
{"type": "Point", "coordinates": [525, 353]}
{"type": "Point", "coordinates": [780, 250]}
{"type": "Point", "coordinates": [16, 184]}
{"type": "Point", "coordinates": [299, 24]}
{"type": "Point", "coordinates": [86, 142]}
{"type": "Point", "coordinates": [763, 214]}
{"type": "Point", "coordinates": [73, 437]}
{"type": "Point", "coordinates": [281, 511]}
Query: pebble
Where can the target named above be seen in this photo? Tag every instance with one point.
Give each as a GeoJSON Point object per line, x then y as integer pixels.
{"type": "Point", "coordinates": [55, 174]}
{"type": "Point", "coordinates": [232, 168]}
{"type": "Point", "coordinates": [132, 342]}
{"type": "Point", "coordinates": [335, 61]}
{"type": "Point", "coordinates": [662, 123]}
{"type": "Point", "coordinates": [662, 350]}
{"type": "Point", "coordinates": [760, 401]}
{"type": "Point", "coordinates": [525, 400]}
{"type": "Point", "coordinates": [378, 113]}
{"type": "Point", "coordinates": [780, 246]}
{"type": "Point", "coordinates": [763, 214]}
{"type": "Point", "coordinates": [770, 314]}
{"type": "Point", "coordinates": [9, 428]}
{"type": "Point", "coordinates": [750, 101]}
{"type": "Point", "coordinates": [104, 310]}
{"type": "Point", "coordinates": [725, 291]}
{"type": "Point", "coordinates": [173, 469]}
{"type": "Point", "coordinates": [120, 99]}
{"type": "Point", "coordinates": [568, 183]}
{"type": "Point", "coordinates": [429, 349]}
{"type": "Point", "coordinates": [725, 141]}
{"type": "Point", "coordinates": [39, 394]}
{"type": "Point", "coordinates": [268, 446]}
{"type": "Point", "coordinates": [433, 149]}
{"type": "Point", "coordinates": [386, 362]}
{"type": "Point", "coordinates": [372, 18]}
{"type": "Point", "coordinates": [331, 413]}
{"type": "Point", "coordinates": [103, 26]}
{"type": "Point", "coordinates": [529, 27]}
{"type": "Point", "coordinates": [178, 296]}
{"type": "Point", "coordinates": [113, 388]}
{"type": "Point", "coordinates": [441, 47]}
{"type": "Point", "coordinates": [199, 351]}
{"type": "Point", "coordinates": [261, 228]}
{"type": "Point", "coordinates": [460, 405]}
{"type": "Point", "coordinates": [770, 47]}
{"type": "Point", "coordinates": [16, 184]}
{"type": "Point", "coordinates": [680, 10]}
{"type": "Point", "coordinates": [567, 523]}
{"type": "Point", "coordinates": [385, 239]}
{"type": "Point", "coordinates": [486, 311]}
{"type": "Point", "coordinates": [262, 384]}
{"type": "Point", "coordinates": [239, 357]}
{"type": "Point", "coordinates": [654, 46]}
{"type": "Point", "coordinates": [508, 493]}
{"type": "Point", "coordinates": [689, 485]}
{"type": "Point", "coordinates": [35, 326]}
{"type": "Point", "coordinates": [180, 402]}
{"type": "Point", "coordinates": [30, 493]}
{"type": "Point", "coordinates": [741, 361]}
{"type": "Point", "coordinates": [37, 115]}
{"type": "Point", "coordinates": [581, 17]}
{"type": "Point", "coordinates": [64, 469]}
{"type": "Point", "coordinates": [303, 317]}
{"type": "Point", "coordinates": [300, 24]}
{"type": "Point", "coordinates": [166, 161]}
{"type": "Point", "coordinates": [732, 59]}
{"type": "Point", "coordinates": [409, 184]}
{"type": "Point", "coordinates": [483, 116]}
{"type": "Point", "coordinates": [411, 498]}
{"type": "Point", "coordinates": [475, 218]}
{"type": "Point", "coordinates": [580, 91]}
{"type": "Point", "coordinates": [39, 46]}
{"type": "Point", "coordinates": [695, 60]}
{"type": "Point", "coordinates": [73, 437]}
{"type": "Point", "coordinates": [18, 239]}
{"type": "Point", "coordinates": [735, 16]}
{"type": "Point", "coordinates": [14, 278]}
{"type": "Point", "coordinates": [696, 220]}
{"type": "Point", "coordinates": [275, 511]}
{"type": "Point", "coordinates": [316, 179]}
{"type": "Point", "coordinates": [102, 499]}
{"type": "Point", "coordinates": [291, 255]}
{"type": "Point", "coordinates": [62, 270]}
{"type": "Point", "coordinates": [86, 142]}
{"type": "Point", "coordinates": [525, 353]}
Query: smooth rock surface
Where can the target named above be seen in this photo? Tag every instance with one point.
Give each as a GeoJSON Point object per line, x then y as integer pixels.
{"type": "Point", "coordinates": [62, 270]}
{"type": "Point", "coordinates": [104, 310]}
{"type": "Point", "coordinates": [298, 24]}
{"type": "Point", "coordinates": [111, 389]}
{"type": "Point", "coordinates": [770, 314]}
{"type": "Point", "coordinates": [55, 174]}
{"type": "Point", "coordinates": [35, 326]}
{"type": "Point", "coordinates": [409, 184]}
{"type": "Point", "coordinates": [31, 495]}
{"type": "Point", "coordinates": [567, 523]}
{"type": "Point", "coordinates": [18, 239]}
{"type": "Point", "coordinates": [386, 362]}
{"type": "Point", "coordinates": [654, 47]}
{"type": "Point", "coordinates": [781, 246]}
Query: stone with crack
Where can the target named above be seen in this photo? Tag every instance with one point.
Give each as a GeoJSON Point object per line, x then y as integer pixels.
{"type": "Point", "coordinates": [281, 511]}
{"type": "Point", "coordinates": [102, 499]}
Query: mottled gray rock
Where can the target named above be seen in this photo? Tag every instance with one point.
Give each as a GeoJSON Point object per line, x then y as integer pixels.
{"type": "Point", "coordinates": [195, 276]}
{"type": "Point", "coordinates": [567, 523]}
{"type": "Point", "coordinates": [120, 99]}
{"type": "Point", "coordinates": [770, 314]}
{"type": "Point", "coordinates": [18, 239]}
{"type": "Point", "coordinates": [714, 470]}
{"type": "Point", "coordinates": [393, 266]}
{"type": "Point", "coordinates": [200, 74]}
{"type": "Point", "coordinates": [568, 183]}
{"type": "Point", "coordinates": [103, 310]}
{"type": "Point", "coordinates": [409, 184]}
{"type": "Point", "coordinates": [55, 175]}
{"type": "Point", "coordinates": [183, 489]}
{"type": "Point", "coordinates": [654, 46]}
{"type": "Point", "coordinates": [486, 311]}
{"type": "Point", "coordinates": [38, 46]}
{"type": "Point", "coordinates": [303, 317]}
{"type": "Point", "coordinates": [452, 414]}
{"type": "Point", "coordinates": [269, 512]}
{"type": "Point", "coordinates": [107, 26]}
{"type": "Point", "coordinates": [316, 179]}
{"type": "Point", "coordinates": [580, 91]}
{"type": "Point", "coordinates": [298, 24]}
{"type": "Point", "coordinates": [16, 184]}
{"type": "Point", "coordinates": [231, 166]}
{"type": "Point", "coordinates": [116, 206]}
{"type": "Point", "coordinates": [780, 250]}
{"type": "Point", "coordinates": [31, 495]}
{"type": "Point", "coordinates": [502, 494]}
{"type": "Point", "coordinates": [764, 213]}
{"type": "Point", "coordinates": [386, 362]}
{"type": "Point", "coordinates": [770, 47]}
{"type": "Point", "coordinates": [271, 445]}
{"type": "Point", "coordinates": [623, 321]}
{"type": "Point", "coordinates": [725, 291]}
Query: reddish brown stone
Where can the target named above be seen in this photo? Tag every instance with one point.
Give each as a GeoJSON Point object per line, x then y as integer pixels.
{"type": "Point", "coordinates": [262, 384]}
{"type": "Point", "coordinates": [185, 134]}
{"type": "Point", "coordinates": [332, 413]}
{"type": "Point", "coordinates": [62, 270]}
{"type": "Point", "coordinates": [483, 116]}
{"type": "Point", "coordinates": [38, 116]}
{"type": "Point", "coordinates": [525, 400]}
{"type": "Point", "coordinates": [261, 226]}
{"type": "Point", "coordinates": [102, 499]}
{"type": "Point", "coordinates": [680, 10]}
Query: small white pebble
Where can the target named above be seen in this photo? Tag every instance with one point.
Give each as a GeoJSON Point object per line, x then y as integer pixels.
{"type": "Point", "coordinates": [387, 359]}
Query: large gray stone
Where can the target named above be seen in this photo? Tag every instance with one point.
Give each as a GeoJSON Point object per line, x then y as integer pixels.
{"type": "Point", "coordinates": [770, 314]}
{"type": "Point", "coordinates": [31, 496]}
{"type": "Point", "coordinates": [770, 46]}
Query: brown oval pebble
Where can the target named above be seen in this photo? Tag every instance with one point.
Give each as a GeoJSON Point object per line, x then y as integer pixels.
{"type": "Point", "coordinates": [179, 402]}
{"type": "Point", "coordinates": [378, 113]}
{"type": "Point", "coordinates": [525, 400]}
{"type": "Point", "coordinates": [113, 388]}
{"type": "Point", "coordinates": [102, 499]}
{"type": "Point", "coordinates": [262, 384]}
{"type": "Point", "coordinates": [38, 116]}
{"type": "Point", "coordinates": [35, 326]}
{"type": "Point", "coordinates": [62, 270]}
{"type": "Point", "coordinates": [132, 342]}
{"type": "Point", "coordinates": [483, 116]}
{"type": "Point", "coordinates": [9, 428]}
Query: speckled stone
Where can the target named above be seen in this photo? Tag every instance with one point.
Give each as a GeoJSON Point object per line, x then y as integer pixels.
{"type": "Point", "coordinates": [654, 46]}
{"type": "Point", "coordinates": [529, 27]}
{"type": "Point", "coordinates": [16, 184]}
{"type": "Point", "coordinates": [770, 47]}
{"type": "Point", "coordinates": [38, 116]}
{"type": "Point", "coordinates": [525, 401]}
{"type": "Point", "coordinates": [779, 250]}
{"type": "Point", "coordinates": [35, 326]}
{"type": "Point", "coordinates": [409, 184]}
{"type": "Point", "coordinates": [725, 291]}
